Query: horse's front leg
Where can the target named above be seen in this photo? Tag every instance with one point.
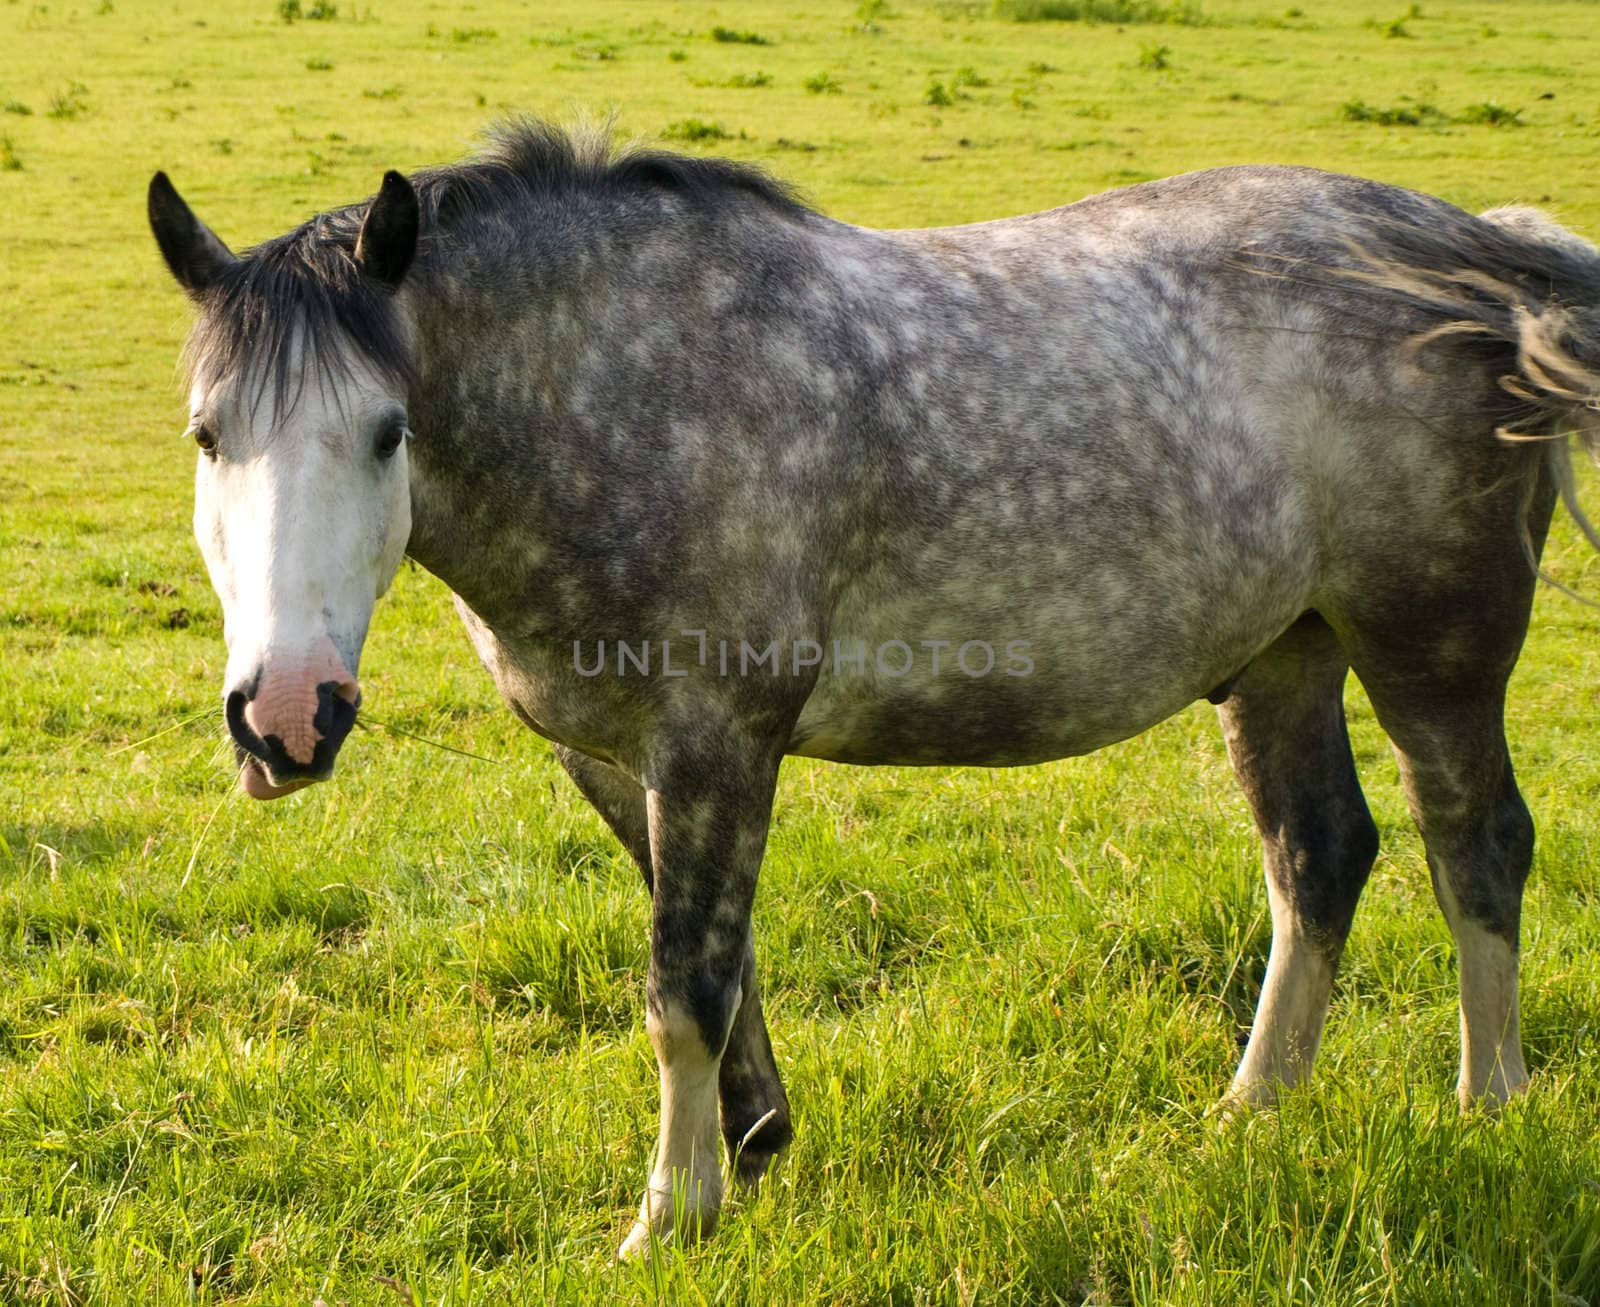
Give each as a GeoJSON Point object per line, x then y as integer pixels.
{"type": "Point", "coordinates": [708, 814]}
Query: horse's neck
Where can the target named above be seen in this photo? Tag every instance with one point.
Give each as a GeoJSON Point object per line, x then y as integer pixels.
{"type": "Point", "coordinates": [547, 392]}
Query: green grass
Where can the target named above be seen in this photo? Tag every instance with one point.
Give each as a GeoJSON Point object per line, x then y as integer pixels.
{"type": "Point", "coordinates": [387, 1032]}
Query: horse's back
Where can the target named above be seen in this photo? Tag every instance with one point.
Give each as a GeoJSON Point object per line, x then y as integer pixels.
{"type": "Point", "coordinates": [1144, 444]}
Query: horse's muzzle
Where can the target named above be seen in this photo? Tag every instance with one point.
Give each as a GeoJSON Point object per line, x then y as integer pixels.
{"type": "Point", "coordinates": [288, 723]}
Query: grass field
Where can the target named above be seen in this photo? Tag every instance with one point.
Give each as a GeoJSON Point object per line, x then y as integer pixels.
{"type": "Point", "coordinates": [382, 1042]}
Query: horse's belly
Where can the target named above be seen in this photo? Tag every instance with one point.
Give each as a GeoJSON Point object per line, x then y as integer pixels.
{"type": "Point", "coordinates": [935, 682]}
{"type": "Point", "coordinates": [1003, 718]}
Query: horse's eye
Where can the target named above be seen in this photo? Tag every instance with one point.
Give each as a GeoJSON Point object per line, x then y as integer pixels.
{"type": "Point", "coordinates": [206, 441]}
{"type": "Point", "coordinates": [390, 440]}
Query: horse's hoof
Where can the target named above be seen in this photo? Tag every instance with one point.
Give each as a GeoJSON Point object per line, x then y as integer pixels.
{"type": "Point", "coordinates": [752, 1166]}
{"type": "Point", "coordinates": [636, 1247]}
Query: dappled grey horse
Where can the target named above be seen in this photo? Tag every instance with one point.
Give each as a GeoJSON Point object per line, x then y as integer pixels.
{"type": "Point", "coordinates": [716, 479]}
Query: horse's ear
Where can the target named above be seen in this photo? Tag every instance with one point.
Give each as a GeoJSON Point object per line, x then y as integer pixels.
{"type": "Point", "coordinates": [191, 249]}
{"type": "Point", "coordinates": [388, 238]}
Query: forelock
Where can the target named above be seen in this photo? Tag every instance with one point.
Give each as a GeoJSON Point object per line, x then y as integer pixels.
{"type": "Point", "coordinates": [296, 310]}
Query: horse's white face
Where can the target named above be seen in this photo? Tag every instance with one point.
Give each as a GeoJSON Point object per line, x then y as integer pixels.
{"type": "Point", "coordinates": [302, 517]}
{"type": "Point", "coordinates": [302, 505]}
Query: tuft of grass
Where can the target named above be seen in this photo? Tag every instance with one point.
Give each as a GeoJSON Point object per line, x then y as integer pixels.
{"type": "Point", "coordinates": [70, 103]}
{"type": "Point", "coordinates": [1488, 113]}
{"type": "Point", "coordinates": [472, 35]}
{"type": "Point", "coordinates": [823, 84]}
{"type": "Point", "coordinates": [381, 93]}
{"type": "Point", "coordinates": [677, 56]}
{"type": "Point", "coordinates": [939, 95]}
{"type": "Point", "coordinates": [16, 107]}
{"type": "Point", "coordinates": [1410, 114]}
{"type": "Point", "coordinates": [735, 36]}
{"type": "Point", "coordinates": [9, 159]}
{"type": "Point", "coordinates": [1417, 113]}
{"type": "Point", "coordinates": [1154, 58]}
{"type": "Point", "coordinates": [315, 65]}
{"type": "Point", "coordinates": [1178, 12]}
{"type": "Point", "coordinates": [695, 129]}
{"type": "Point", "coordinates": [1393, 29]}
{"type": "Point", "coordinates": [747, 81]}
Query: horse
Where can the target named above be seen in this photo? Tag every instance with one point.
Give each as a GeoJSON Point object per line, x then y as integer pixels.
{"type": "Point", "coordinates": [716, 479]}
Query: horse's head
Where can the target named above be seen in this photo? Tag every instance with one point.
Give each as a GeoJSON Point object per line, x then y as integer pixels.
{"type": "Point", "coordinates": [299, 373]}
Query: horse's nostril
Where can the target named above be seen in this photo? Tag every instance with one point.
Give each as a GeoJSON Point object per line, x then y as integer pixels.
{"type": "Point", "coordinates": [239, 726]}
{"type": "Point", "coordinates": [336, 714]}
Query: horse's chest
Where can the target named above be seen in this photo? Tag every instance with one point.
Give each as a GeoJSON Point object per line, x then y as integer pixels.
{"type": "Point", "coordinates": [539, 685]}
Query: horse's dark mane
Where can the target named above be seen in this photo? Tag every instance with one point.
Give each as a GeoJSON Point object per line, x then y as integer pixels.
{"type": "Point", "coordinates": [303, 288]}
{"type": "Point", "coordinates": [527, 157]}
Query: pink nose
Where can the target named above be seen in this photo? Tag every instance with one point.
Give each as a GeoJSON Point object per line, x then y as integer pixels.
{"type": "Point", "coordinates": [298, 711]}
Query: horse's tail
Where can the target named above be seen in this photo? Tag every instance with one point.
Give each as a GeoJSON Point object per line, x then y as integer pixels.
{"type": "Point", "coordinates": [1517, 281]}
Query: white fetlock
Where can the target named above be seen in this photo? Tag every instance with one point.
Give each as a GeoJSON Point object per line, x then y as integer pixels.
{"type": "Point", "coordinates": [680, 1215]}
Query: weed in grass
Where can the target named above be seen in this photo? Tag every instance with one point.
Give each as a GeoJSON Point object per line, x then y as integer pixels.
{"type": "Point", "coordinates": [1411, 114]}
{"type": "Point", "coordinates": [9, 159]}
{"type": "Point", "coordinates": [288, 10]}
{"type": "Point", "coordinates": [598, 53]}
{"type": "Point", "coordinates": [472, 35]}
{"type": "Point", "coordinates": [695, 129]}
{"type": "Point", "coordinates": [69, 104]}
{"type": "Point", "coordinates": [1488, 113]}
{"type": "Point", "coordinates": [677, 56]}
{"type": "Point", "coordinates": [381, 93]}
{"type": "Point", "coordinates": [1096, 111]}
{"type": "Point", "coordinates": [939, 95]}
{"type": "Point", "coordinates": [1155, 58]}
{"type": "Point", "coordinates": [223, 145]}
{"type": "Point", "coordinates": [16, 107]}
{"type": "Point", "coordinates": [1021, 100]}
{"type": "Point", "coordinates": [318, 66]}
{"type": "Point", "coordinates": [1040, 69]}
{"type": "Point", "coordinates": [872, 11]}
{"type": "Point", "coordinates": [968, 77]}
{"type": "Point", "coordinates": [1393, 29]}
{"type": "Point", "coordinates": [804, 147]}
{"type": "Point", "coordinates": [1100, 11]}
{"type": "Point", "coordinates": [823, 84]}
{"type": "Point", "coordinates": [742, 82]}
{"type": "Point", "coordinates": [734, 36]}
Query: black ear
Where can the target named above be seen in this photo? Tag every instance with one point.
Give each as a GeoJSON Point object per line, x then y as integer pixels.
{"type": "Point", "coordinates": [190, 248]}
{"type": "Point", "coordinates": [388, 238]}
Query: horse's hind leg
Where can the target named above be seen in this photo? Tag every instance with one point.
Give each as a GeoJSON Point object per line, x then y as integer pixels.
{"type": "Point", "coordinates": [754, 1106]}
{"type": "Point", "coordinates": [1447, 727]}
{"type": "Point", "coordinates": [1285, 728]}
